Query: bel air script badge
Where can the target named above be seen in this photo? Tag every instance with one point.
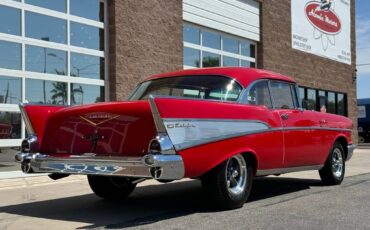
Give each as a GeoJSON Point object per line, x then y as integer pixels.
{"type": "Point", "coordinates": [180, 125]}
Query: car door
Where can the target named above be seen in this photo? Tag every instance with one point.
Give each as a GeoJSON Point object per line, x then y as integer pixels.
{"type": "Point", "coordinates": [300, 144]}
{"type": "Point", "coordinates": [268, 145]}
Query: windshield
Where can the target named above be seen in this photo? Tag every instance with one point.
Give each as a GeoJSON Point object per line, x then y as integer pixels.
{"type": "Point", "coordinates": [202, 87]}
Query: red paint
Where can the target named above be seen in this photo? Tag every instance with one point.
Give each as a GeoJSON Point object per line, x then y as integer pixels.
{"type": "Point", "coordinates": [125, 128]}
{"type": "Point", "coordinates": [326, 21]}
{"type": "Point", "coordinates": [38, 115]}
{"type": "Point", "coordinates": [5, 131]}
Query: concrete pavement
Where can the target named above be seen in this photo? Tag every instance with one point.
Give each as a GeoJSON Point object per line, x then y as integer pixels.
{"type": "Point", "coordinates": [291, 201]}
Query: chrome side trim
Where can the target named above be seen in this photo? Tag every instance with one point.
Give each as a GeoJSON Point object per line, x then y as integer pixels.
{"type": "Point", "coordinates": [351, 149]}
{"type": "Point", "coordinates": [186, 133]}
{"type": "Point", "coordinates": [164, 167]}
{"type": "Point", "coordinates": [266, 172]}
{"type": "Point", "coordinates": [156, 116]}
{"type": "Point", "coordinates": [26, 120]}
{"type": "Point", "coordinates": [312, 128]}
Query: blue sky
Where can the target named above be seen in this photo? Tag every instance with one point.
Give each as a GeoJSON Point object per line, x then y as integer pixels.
{"type": "Point", "coordinates": [363, 47]}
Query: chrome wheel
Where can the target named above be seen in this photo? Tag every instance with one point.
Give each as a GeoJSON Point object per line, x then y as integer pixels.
{"type": "Point", "coordinates": [337, 163]}
{"type": "Point", "coordinates": [236, 174]}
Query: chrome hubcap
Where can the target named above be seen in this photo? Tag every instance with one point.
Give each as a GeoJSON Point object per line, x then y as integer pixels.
{"type": "Point", "coordinates": [337, 163]}
{"type": "Point", "coordinates": [236, 174]}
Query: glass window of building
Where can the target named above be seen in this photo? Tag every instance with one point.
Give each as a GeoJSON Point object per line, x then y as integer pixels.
{"type": "Point", "coordinates": [341, 108]}
{"type": "Point", "coordinates": [211, 59]}
{"type": "Point", "coordinates": [10, 90]}
{"type": "Point", "coordinates": [51, 52]}
{"type": "Point", "coordinates": [10, 125]}
{"type": "Point", "coordinates": [58, 5]}
{"type": "Point", "coordinates": [46, 92]}
{"type": "Point", "coordinates": [334, 102]}
{"type": "Point", "coordinates": [90, 9]}
{"type": "Point", "coordinates": [87, 36]}
{"type": "Point", "coordinates": [86, 94]}
{"type": "Point", "coordinates": [331, 103]}
{"type": "Point", "coordinates": [191, 57]}
{"type": "Point", "coordinates": [10, 55]}
{"type": "Point", "coordinates": [10, 19]}
{"type": "Point", "coordinates": [215, 48]}
{"type": "Point", "coordinates": [322, 99]}
{"type": "Point", "coordinates": [44, 60]}
{"type": "Point", "coordinates": [211, 40]}
{"type": "Point", "coordinates": [311, 99]}
{"type": "Point", "coordinates": [229, 61]}
{"type": "Point", "coordinates": [230, 45]}
{"type": "Point", "coordinates": [191, 34]}
{"type": "Point", "coordinates": [46, 28]}
{"type": "Point", "coordinates": [89, 66]}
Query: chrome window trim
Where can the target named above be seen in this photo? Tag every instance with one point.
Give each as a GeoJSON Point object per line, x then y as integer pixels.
{"type": "Point", "coordinates": [243, 99]}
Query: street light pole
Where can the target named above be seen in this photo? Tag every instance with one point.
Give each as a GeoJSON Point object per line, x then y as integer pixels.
{"type": "Point", "coordinates": [43, 81]}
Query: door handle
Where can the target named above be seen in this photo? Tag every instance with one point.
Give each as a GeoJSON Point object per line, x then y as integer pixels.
{"type": "Point", "coordinates": [284, 116]}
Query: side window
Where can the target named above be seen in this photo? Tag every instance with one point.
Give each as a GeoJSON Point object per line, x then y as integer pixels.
{"type": "Point", "coordinates": [281, 92]}
{"type": "Point", "coordinates": [259, 94]}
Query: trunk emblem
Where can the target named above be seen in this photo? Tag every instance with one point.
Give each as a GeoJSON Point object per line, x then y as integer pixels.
{"type": "Point", "coordinates": [96, 120]}
{"type": "Point", "coordinates": [93, 138]}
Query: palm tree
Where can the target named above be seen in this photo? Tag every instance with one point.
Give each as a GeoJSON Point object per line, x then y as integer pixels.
{"type": "Point", "coordinates": [59, 93]}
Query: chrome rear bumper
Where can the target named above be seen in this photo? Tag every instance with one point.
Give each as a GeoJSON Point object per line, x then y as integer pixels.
{"type": "Point", "coordinates": [163, 167]}
{"type": "Point", "coordinates": [351, 148]}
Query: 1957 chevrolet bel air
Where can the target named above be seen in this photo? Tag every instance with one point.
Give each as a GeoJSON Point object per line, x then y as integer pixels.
{"type": "Point", "coordinates": [223, 126]}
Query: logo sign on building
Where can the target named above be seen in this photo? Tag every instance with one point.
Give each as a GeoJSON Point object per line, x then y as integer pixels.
{"type": "Point", "coordinates": [323, 28]}
{"type": "Point", "coordinates": [361, 112]}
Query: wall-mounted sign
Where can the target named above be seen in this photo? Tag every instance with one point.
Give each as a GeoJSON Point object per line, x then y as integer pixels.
{"type": "Point", "coordinates": [361, 111]}
{"type": "Point", "coordinates": [323, 28]}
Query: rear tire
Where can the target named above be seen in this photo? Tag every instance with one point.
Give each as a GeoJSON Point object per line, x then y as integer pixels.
{"type": "Point", "coordinates": [334, 169]}
{"type": "Point", "coordinates": [229, 184]}
{"type": "Point", "coordinates": [111, 187]}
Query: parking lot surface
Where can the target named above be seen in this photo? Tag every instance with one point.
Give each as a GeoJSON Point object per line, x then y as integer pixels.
{"type": "Point", "coordinates": [290, 201]}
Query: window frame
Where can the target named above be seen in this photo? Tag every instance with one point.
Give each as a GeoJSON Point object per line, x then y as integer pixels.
{"type": "Point", "coordinates": [23, 41]}
{"type": "Point", "coordinates": [244, 95]}
{"type": "Point", "coordinates": [326, 92]}
{"type": "Point", "coordinates": [295, 97]}
{"type": "Point", "coordinates": [200, 47]}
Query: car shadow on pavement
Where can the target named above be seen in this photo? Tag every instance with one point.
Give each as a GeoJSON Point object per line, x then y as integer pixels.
{"type": "Point", "coordinates": [148, 204]}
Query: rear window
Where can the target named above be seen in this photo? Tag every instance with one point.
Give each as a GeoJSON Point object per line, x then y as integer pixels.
{"type": "Point", "coordinates": [201, 87]}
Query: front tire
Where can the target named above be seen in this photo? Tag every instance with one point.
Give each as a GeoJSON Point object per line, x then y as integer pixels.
{"type": "Point", "coordinates": [111, 187]}
{"type": "Point", "coordinates": [229, 184]}
{"type": "Point", "coordinates": [334, 169]}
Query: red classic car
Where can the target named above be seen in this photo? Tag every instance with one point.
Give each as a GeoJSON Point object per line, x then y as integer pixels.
{"type": "Point", "coordinates": [223, 126]}
{"type": "Point", "coordinates": [5, 131]}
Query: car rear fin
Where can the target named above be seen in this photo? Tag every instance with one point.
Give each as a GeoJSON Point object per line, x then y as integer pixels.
{"type": "Point", "coordinates": [156, 116]}
{"type": "Point", "coordinates": [26, 119]}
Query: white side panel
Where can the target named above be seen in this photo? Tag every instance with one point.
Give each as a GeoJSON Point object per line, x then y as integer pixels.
{"type": "Point", "coordinates": [186, 133]}
{"type": "Point", "coordinates": [237, 17]}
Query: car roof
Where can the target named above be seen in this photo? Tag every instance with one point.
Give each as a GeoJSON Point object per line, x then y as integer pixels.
{"type": "Point", "coordinates": [241, 74]}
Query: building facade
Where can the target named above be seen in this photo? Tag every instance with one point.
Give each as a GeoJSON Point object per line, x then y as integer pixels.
{"type": "Point", "coordinates": [74, 52]}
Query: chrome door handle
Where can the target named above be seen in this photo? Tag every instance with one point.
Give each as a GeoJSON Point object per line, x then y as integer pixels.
{"type": "Point", "coordinates": [284, 116]}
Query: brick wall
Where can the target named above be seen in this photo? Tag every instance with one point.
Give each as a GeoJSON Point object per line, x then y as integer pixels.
{"type": "Point", "coordinates": [145, 38]}
{"type": "Point", "coordinates": [275, 53]}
